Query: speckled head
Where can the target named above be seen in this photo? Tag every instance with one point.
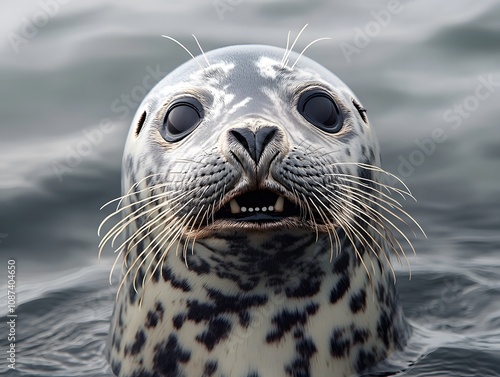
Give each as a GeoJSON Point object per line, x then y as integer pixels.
{"type": "Point", "coordinates": [238, 123]}
{"type": "Point", "coordinates": [257, 238]}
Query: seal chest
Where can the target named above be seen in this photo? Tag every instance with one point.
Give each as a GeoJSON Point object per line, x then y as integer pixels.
{"type": "Point", "coordinates": [256, 225]}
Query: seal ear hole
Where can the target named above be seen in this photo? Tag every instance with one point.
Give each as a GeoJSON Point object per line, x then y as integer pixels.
{"type": "Point", "coordinates": [361, 110]}
{"type": "Point", "coordinates": [140, 123]}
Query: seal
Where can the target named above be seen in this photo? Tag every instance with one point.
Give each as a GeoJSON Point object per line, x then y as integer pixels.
{"type": "Point", "coordinates": [258, 225]}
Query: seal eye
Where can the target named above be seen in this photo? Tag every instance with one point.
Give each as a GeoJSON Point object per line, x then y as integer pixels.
{"type": "Point", "coordinates": [319, 108]}
{"type": "Point", "coordinates": [183, 116]}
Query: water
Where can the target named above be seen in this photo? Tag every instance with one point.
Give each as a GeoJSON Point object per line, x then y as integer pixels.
{"type": "Point", "coordinates": [70, 78]}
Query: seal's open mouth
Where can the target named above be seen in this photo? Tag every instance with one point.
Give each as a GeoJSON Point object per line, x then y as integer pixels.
{"type": "Point", "coordinates": [258, 206]}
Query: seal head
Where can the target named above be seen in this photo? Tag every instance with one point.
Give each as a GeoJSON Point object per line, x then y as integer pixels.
{"type": "Point", "coordinates": [257, 234]}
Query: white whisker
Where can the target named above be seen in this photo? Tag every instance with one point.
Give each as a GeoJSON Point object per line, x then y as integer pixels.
{"type": "Point", "coordinates": [185, 48]}
{"type": "Point", "coordinates": [305, 48]}
{"type": "Point", "coordinates": [202, 52]}
{"type": "Point", "coordinates": [287, 54]}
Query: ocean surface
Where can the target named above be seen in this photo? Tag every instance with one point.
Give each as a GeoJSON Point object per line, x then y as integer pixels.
{"type": "Point", "coordinates": [73, 72]}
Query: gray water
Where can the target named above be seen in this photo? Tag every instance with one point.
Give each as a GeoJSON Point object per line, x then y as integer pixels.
{"type": "Point", "coordinates": [428, 72]}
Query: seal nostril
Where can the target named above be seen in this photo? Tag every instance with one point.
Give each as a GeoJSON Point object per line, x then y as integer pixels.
{"type": "Point", "coordinates": [254, 144]}
{"type": "Point", "coordinates": [241, 136]}
{"type": "Point", "coordinates": [247, 139]}
{"type": "Point", "coordinates": [262, 140]}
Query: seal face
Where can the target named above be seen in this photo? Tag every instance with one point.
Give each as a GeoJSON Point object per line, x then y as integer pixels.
{"type": "Point", "coordinates": [257, 234]}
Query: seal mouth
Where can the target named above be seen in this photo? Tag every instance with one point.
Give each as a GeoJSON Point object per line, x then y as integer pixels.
{"type": "Point", "coordinates": [258, 206]}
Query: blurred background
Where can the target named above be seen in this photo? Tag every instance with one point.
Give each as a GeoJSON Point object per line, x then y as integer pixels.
{"type": "Point", "coordinates": [72, 74]}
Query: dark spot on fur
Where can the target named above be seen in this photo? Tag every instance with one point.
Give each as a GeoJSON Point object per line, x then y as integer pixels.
{"type": "Point", "coordinates": [218, 329]}
{"type": "Point", "coordinates": [341, 263]}
{"type": "Point", "coordinates": [151, 319]}
{"type": "Point", "coordinates": [365, 359]}
{"type": "Point", "coordinates": [168, 356]}
{"type": "Point", "coordinates": [132, 294]}
{"type": "Point", "coordinates": [360, 336]}
{"type": "Point", "coordinates": [298, 333]}
{"type": "Point", "coordinates": [221, 303]}
{"type": "Point", "coordinates": [358, 301]}
{"type": "Point", "coordinates": [137, 346]}
{"type": "Point", "coordinates": [178, 320]}
{"type": "Point", "coordinates": [116, 367]}
{"type": "Point", "coordinates": [286, 320]}
{"type": "Point", "coordinates": [244, 319]}
{"type": "Point", "coordinates": [156, 275]}
{"type": "Point", "coordinates": [339, 344]}
{"type": "Point", "coordinates": [199, 266]}
{"type": "Point", "coordinates": [301, 365]}
{"type": "Point", "coordinates": [116, 340]}
{"type": "Point", "coordinates": [340, 288]}
{"type": "Point", "coordinates": [210, 368]}
{"type": "Point", "coordinates": [383, 326]}
{"type": "Point", "coordinates": [182, 284]}
{"type": "Point", "coordinates": [159, 309]}
{"type": "Point", "coordinates": [307, 287]}
{"type": "Point", "coordinates": [154, 316]}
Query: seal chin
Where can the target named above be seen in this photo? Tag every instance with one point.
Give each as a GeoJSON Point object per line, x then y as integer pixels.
{"type": "Point", "coordinates": [262, 227]}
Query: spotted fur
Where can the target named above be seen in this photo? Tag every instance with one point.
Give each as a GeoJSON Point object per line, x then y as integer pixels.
{"type": "Point", "coordinates": [203, 298]}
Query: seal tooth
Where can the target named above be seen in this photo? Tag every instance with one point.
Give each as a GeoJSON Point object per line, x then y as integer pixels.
{"type": "Point", "coordinates": [279, 206]}
{"type": "Point", "coordinates": [235, 207]}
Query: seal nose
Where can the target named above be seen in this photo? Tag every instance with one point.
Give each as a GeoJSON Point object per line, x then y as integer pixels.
{"type": "Point", "coordinates": [254, 143]}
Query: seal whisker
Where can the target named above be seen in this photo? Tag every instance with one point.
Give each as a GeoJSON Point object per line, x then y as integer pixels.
{"type": "Point", "coordinates": [139, 212]}
{"type": "Point", "coordinates": [361, 195]}
{"type": "Point", "coordinates": [357, 232]}
{"type": "Point", "coordinates": [116, 230]}
{"type": "Point", "coordinates": [118, 210]}
{"type": "Point", "coordinates": [185, 49]}
{"type": "Point", "coordinates": [330, 229]}
{"type": "Point", "coordinates": [282, 63]}
{"type": "Point", "coordinates": [400, 248]}
{"type": "Point", "coordinates": [305, 48]}
{"type": "Point", "coordinates": [287, 53]}
{"type": "Point", "coordinates": [147, 200]}
{"type": "Point", "coordinates": [378, 169]}
{"type": "Point", "coordinates": [360, 198]}
{"type": "Point", "coordinates": [303, 211]}
{"type": "Point", "coordinates": [129, 192]}
{"type": "Point", "coordinates": [365, 182]}
{"type": "Point", "coordinates": [202, 52]}
{"type": "Point", "coordinates": [348, 228]}
{"type": "Point", "coordinates": [173, 240]}
{"type": "Point", "coordinates": [134, 235]}
{"type": "Point", "coordinates": [190, 231]}
{"type": "Point", "coordinates": [167, 232]}
{"type": "Point", "coordinates": [359, 206]}
{"type": "Point", "coordinates": [403, 193]}
{"type": "Point", "coordinates": [346, 203]}
{"type": "Point", "coordinates": [311, 216]}
{"type": "Point", "coordinates": [380, 202]}
{"type": "Point", "coordinates": [148, 229]}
